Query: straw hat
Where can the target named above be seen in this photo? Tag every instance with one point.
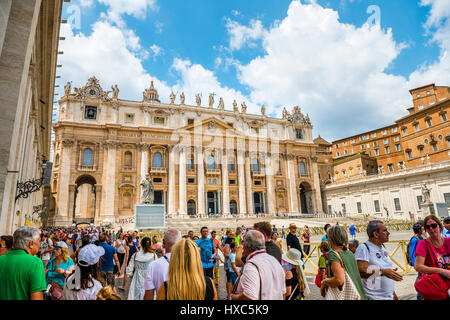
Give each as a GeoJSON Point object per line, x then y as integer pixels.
{"type": "Point", "coordinates": [293, 256]}
{"type": "Point", "coordinates": [292, 225]}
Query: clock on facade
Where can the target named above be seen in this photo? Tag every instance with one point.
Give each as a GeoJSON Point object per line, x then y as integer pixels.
{"type": "Point", "coordinates": [92, 92]}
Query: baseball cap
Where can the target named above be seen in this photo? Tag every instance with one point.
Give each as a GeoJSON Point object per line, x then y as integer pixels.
{"type": "Point", "coordinates": [90, 254]}
{"type": "Point", "coordinates": [61, 244]}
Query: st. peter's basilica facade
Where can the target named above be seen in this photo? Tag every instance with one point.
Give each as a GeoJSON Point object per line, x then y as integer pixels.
{"type": "Point", "coordinates": [202, 160]}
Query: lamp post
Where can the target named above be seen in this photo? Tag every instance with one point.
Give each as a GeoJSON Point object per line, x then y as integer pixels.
{"type": "Point", "coordinates": [24, 189]}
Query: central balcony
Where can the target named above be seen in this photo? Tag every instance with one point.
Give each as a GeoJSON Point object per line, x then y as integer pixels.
{"type": "Point", "coordinates": [158, 171]}
{"type": "Point", "coordinates": [212, 172]}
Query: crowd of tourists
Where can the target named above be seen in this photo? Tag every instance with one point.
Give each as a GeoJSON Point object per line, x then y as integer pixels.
{"type": "Point", "coordinates": [84, 263]}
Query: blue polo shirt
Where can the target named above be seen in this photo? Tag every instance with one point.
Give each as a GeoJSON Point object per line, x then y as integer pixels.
{"type": "Point", "coordinates": [108, 258]}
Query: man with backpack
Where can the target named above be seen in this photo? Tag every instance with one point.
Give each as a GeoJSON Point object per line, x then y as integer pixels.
{"type": "Point", "coordinates": [208, 252]}
{"type": "Point", "coordinates": [412, 245]}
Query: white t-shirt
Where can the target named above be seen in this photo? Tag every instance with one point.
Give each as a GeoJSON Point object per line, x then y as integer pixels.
{"type": "Point", "coordinates": [157, 273]}
{"type": "Point", "coordinates": [83, 294]}
{"type": "Point", "coordinates": [45, 245]}
{"type": "Point", "coordinates": [376, 287]}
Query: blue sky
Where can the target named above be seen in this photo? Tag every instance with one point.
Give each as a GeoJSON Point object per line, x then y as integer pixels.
{"type": "Point", "coordinates": [348, 71]}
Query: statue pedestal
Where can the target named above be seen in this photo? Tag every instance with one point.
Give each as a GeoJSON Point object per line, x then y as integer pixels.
{"type": "Point", "coordinates": [428, 208]}
{"type": "Point", "coordinates": [149, 216]}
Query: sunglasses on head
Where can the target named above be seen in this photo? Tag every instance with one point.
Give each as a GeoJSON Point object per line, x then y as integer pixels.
{"type": "Point", "coordinates": [429, 226]}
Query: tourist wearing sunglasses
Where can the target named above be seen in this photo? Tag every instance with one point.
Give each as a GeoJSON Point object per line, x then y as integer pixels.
{"type": "Point", "coordinates": [433, 254]}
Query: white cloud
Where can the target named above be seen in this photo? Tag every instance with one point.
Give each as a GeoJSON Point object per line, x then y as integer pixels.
{"type": "Point", "coordinates": [87, 3]}
{"type": "Point", "coordinates": [437, 25]}
{"type": "Point", "coordinates": [240, 35]}
{"type": "Point", "coordinates": [334, 71]}
{"type": "Point", "coordinates": [135, 8]}
{"type": "Point", "coordinates": [156, 51]}
{"type": "Point", "coordinates": [194, 79]}
{"type": "Point", "coordinates": [113, 55]}
{"type": "Point", "coordinates": [159, 26]}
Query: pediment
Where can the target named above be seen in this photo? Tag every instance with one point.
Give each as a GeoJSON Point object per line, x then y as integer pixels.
{"type": "Point", "coordinates": [212, 126]}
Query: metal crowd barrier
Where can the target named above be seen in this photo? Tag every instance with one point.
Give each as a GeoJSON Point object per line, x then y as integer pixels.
{"type": "Point", "coordinates": [397, 257]}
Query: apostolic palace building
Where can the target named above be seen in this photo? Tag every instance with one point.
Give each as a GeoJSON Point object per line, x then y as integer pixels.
{"type": "Point", "coordinates": [202, 160]}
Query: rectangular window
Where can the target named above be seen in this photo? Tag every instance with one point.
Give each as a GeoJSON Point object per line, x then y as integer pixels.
{"type": "Point", "coordinates": [232, 181]}
{"type": "Point", "coordinates": [190, 121]}
{"type": "Point", "coordinates": [377, 152]}
{"type": "Point", "coordinates": [435, 149]}
{"type": "Point", "coordinates": [338, 154]}
{"type": "Point", "coordinates": [444, 117]}
{"type": "Point", "coordinates": [90, 112]}
{"type": "Point", "coordinates": [409, 154]}
{"type": "Point", "coordinates": [336, 145]}
{"type": "Point", "coordinates": [420, 106]}
{"type": "Point", "coordinates": [386, 141]}
{"type": "Point", "coordinates": [375, 144]}
{"type": "Point", "coordinates": [376, 203]}
{"type": "Point", "coordinates": [352, 141]}
{"type": "Point", "coordinates": [345, 152]}
{"type": "Point", "coordinates": [230, 124]}
{"type": "Point", "coordinates": [345, 144]}
{"type": "Point", "coordinates": [374, 135]}
{"type": "Point", "coordinates": [394, 130]}
{"type": "Point", "coordinates": [157, 180]}
{"type": "Point", "coordinates": [191, 180]}
{"type": "Point", "coordinates": [158, 120]}
{"type": "Point", "coordinates": [432, 102]}
{"type": "Point", "coordinates": [404, 132]}
{"type": "Point", "coordinates": [363, 147]}
{"type": "Point", "coordinates": [390, 167]}
{"type": "Point", "coordinates": [329, 209]}
{"type": "Point", "coordinates": [419, 200]}
{"type": "Point", "coordinates": [429, 123]}
{"type": "Point", "coordinates": [387, 150]}
{"type": "Point", "coordinates": [396, 139]}
{"type": "Point", "coordinates": [344, 211]}
{"type": "Point", "coordinates": [384, 132]}
{"type": "Point", "coordinates": [299, 134]}
{"type": "Point", "coordinates": [447, 199]}
{"type": "Point", "coordinates": [416, 127]}
{"type": "Point", "coordinates": [397, 204]}
{"type": "Point", "coordinates": [397, 147]}
{"type": "Point", "coordinates": [358, 205]}
{"type": "Point", "coordinates": [257, 182]}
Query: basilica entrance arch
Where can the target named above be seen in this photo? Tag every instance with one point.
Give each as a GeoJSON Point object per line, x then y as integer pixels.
{"type": "Point", "coordinates": [85, 198]}
{"type": "Point", "coordinates": [191, 208]}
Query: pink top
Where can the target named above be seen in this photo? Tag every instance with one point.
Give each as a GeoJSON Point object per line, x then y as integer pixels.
{"type": "Point", "coordinates": [442, 254]}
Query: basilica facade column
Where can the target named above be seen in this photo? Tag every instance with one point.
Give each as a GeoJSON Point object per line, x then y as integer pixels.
{"type": "Point", "coordinates": [182, 182]}
{"type": "Point", "coordinates": [171, 183]}
{"type": "Point", "coordinates": [64, 181]}
{"type": "Point", "coordinates": [143, 147]}
{"type": "Point", "coordinates": [200, 182]}
{"type": "Point", "coordinates": [248, 184]}
{"type": "Point", "coordinates": [225, 184]}
{"type": "Point", "coordinates": [241, 181]}
{"type": "Point", "coordinates": [292, 186]}
{"type": "Point", "coordinates": [318, 196]}
{"type": "Point", "coordinates": [269, 184]}
{"type": "Point", "coordinates": [109, 178]}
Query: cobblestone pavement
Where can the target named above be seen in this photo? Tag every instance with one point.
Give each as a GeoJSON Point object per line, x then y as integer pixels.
{"type": "Point", "coordinates": [404, 289]}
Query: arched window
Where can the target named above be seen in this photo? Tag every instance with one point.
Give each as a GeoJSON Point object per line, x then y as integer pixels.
{"type": "Point", "coordinates": [157, 160]}
{"type": "Point", "coordinates": [128, 156]}
{"type": "Point", "coordinates": [87, 157]}
{"type": "Point", "coordinates": [57, 160]}
{"type": "Point", "coordinates": [302, 169]}
{"type": "Point", "coordinates": [255, 165]}
{"type": "Point", "coordinates": [191, 208]}
{"type": "Point", "coordinates": [211, 162]}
